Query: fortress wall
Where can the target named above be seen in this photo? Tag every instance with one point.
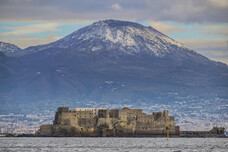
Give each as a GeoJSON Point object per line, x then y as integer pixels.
{"type": "Point", "coordinates": [113, 113]}
{"type": "Point", "coordinates": [62, 130]}
{"type": "Point", "coordinates": [46, 130]}
{"type": "Point", "coordinates": [65, 118]}
{"type": "Point", "coordinates": [73, 119]}
{"type": "Point", "coordinates": [161, 119]}
{"type": "Point", "coordinates": [62, 118]}
{"type": "Point", "coordinates": [144, 126]}
{"type": "Point", "coordinates": [124, 121]}
{"type": "Point", "coordinates": [144, 118]}
{"type": "Point", "coordinates": [87, 123]}
{"type": "Point", "coordinates": [148, 130]}
{"type": "Point", "coordinates": [171, 121]}
{"type": "Point", "coordinates": [58, 117]}
{"type": "Point", "coordinates": [102, 122]}
{"type": "Point", "coordinates": [111, 122]}
{"type": "Point", "coordinates": [102, 113]}
{"type": "Point", "coordinates": [126, 113]}
{"type": "Point", "coordinates": [215, 132]}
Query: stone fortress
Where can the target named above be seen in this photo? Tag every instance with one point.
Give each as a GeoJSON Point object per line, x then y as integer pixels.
{"type": "Point", "coordinates": [105, 123]}
{"type": "Point", "coordinates": [101, 122]}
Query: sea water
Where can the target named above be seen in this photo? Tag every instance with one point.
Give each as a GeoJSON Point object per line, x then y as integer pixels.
{"type": "Point", "coordinates": [27, 144]}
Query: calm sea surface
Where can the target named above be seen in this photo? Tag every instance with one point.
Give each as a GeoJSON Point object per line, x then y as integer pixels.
{"type": "Point", "coordinates": [114, 144]}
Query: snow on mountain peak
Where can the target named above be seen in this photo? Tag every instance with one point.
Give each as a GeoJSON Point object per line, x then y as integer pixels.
{"type": "Point", "coordinates": [118, 37]}
{"type": "Point", "coordinates": [9, 49]}
{"type": "Point", "coordinates": [122, 35]}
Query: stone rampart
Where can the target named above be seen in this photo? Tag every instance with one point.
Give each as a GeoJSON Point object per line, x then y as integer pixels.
{"type": "Point", "coordinates": [114, 122]}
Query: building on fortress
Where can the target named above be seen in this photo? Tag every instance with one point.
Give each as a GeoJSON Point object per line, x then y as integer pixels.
{"type": "Point", "coordinates": [114, 122]}
{"type": "Point", "coordinates": [93, 110]}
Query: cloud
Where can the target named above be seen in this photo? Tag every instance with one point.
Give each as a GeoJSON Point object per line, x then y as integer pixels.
{"type": "Point", "coordinates": [219, 3]}
{"type": "Point", "coordinates": [205, 43]}
{"type": "Point", "coordinates": [116, 6]}
{"type": "Point", "coordinates": [166, 29]}
{"type": "Point", "coordinates": [214, 29]}
{"type": "Point", "coordinates": [216, 55]}
{"type": "Point", "coordinates": [23, 36]}
{"type": "Point", "coordinates": [215, 49]}
{"type": "Point", "coordinates": [187, 11]}
{"type": "Point", "coordinates": [23, 41]}
{"type": "Point", "coordinates": [35, 28]}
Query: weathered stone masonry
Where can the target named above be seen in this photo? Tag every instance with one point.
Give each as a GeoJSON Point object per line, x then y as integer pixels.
{"type": "Point", "coordinates": [104, 122]}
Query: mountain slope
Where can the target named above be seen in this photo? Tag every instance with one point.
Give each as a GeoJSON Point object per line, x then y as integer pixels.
{"type": "Point", "coordinates": [10, 49]}
{"type": "Point", "coordinates": [121, 36]}
{"type": "Point", "coordinates": [113, 64]}
{"type": "Point", "coordinates": [125, 36]}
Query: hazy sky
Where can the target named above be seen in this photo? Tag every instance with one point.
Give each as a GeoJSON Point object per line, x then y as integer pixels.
{"type": "Point", "coordinates": [201, 25]}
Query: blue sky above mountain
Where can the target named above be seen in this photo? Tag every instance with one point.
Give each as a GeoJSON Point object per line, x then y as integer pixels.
{"type": "Point", "coordinates": [200, 25]}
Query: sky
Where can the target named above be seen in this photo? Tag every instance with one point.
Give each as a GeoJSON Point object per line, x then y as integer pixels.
{"type": "Point", "coordinates": [201, 25]}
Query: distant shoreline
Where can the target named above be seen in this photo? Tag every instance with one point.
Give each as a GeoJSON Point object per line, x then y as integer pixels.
{"type": "Point", "coordinates": [149, 136]}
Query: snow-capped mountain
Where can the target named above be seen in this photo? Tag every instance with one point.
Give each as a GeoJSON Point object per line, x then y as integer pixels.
{"type": "Point", "coordinates": [128, 37]}
{"type": "Point", "coordinates": [9, 49]}
{"type": "Point", "coordinates": [114, 63]}
{"type": "Point", "coordinates": [121, 36]}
